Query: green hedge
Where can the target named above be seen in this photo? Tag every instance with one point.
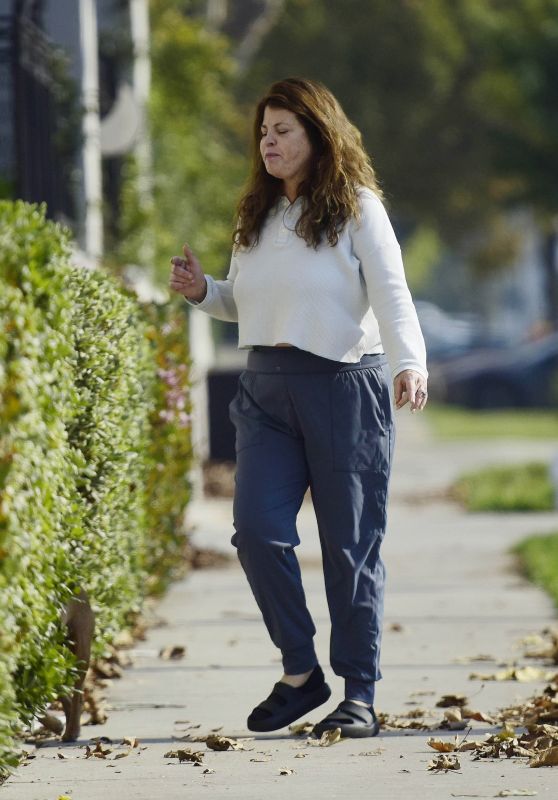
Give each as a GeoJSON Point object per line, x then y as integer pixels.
{"type": "Point", "coordinates": [94, 455]}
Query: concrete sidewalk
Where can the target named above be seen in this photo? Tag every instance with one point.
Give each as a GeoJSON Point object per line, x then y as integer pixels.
{"type": "Point", "coordinates": [451, 593]}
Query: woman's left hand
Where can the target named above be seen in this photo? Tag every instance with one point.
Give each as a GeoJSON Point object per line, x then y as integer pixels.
{"type": "Point", "coordinates": [410, 387]}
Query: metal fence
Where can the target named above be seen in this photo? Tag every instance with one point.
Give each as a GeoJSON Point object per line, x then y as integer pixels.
{"type": "Point", "coordinates": [31, 117]}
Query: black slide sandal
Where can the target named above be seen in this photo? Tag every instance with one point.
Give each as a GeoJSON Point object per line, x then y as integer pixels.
{"type": "Point", "coordinates": [354, 720]}
{"type": "Point", "coordinates": [286, 704]}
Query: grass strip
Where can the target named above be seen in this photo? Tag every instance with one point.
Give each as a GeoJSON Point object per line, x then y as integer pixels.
{"type": "Point", "coordinates": [525, 487]}
{"type": "Point", "coordinates": [454, 422]}
{"type": "Point", "coordinates": [538, 559]}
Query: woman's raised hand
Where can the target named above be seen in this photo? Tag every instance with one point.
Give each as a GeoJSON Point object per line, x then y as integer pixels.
{"type": "Point", "coordinates": [187, 276]}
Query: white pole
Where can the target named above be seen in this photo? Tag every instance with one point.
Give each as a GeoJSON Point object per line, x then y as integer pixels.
{"type": "Point", "coordinates": [141, 79]}
{"type": "Point", "coordinates": [91, 126]}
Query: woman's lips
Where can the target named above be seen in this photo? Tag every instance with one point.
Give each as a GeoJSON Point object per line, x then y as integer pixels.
{"type": "Point", "coordinates": [271, 155]}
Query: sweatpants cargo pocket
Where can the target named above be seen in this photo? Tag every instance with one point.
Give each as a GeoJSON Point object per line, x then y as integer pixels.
{"type": "Point", "coordinates": [361, 420]}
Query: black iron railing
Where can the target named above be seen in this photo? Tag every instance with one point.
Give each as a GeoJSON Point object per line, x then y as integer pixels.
{"type": "Point", "coordinates": [41, 167]}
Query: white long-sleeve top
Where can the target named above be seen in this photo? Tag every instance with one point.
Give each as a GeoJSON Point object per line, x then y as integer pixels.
{"type": "Point", "coordinates": [337, 302]}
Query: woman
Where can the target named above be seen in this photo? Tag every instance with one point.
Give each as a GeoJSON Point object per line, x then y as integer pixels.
{"type": "Point", "coordinates": [317, 286]}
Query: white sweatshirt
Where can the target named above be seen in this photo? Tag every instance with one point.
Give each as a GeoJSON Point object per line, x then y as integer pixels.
{"type": "Point", "coordinates": [337, 302]}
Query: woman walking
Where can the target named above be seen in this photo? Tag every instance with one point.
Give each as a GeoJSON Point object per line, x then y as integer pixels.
{"type": "Point", "coordinates": [317, 286]}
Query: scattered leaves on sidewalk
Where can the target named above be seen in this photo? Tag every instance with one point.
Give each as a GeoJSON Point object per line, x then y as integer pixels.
{"type": "Point", "coordinates": [173, 652]}
{"type": "Point", "coordinates": [286, 771]}
{"type": "Point", "coordinates": [444, 763]}
{"type": "Point", "coordinates": [186, 755]}
{"type": "Point", "coordinates": [545, 645]}
{"type": "Point", "coordinates": [520, 674]}
{"type": "Point", "coordinates": [410, 721]}
{"type": "Point", "coordinates": [301, 728]}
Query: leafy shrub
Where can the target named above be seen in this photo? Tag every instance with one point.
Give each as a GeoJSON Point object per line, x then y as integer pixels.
{"type": "Point", "coordinates": [87, 418]}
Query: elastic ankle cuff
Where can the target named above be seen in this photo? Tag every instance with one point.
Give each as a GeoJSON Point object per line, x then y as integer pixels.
{"type": "Point", "coordinates": [359, 690]}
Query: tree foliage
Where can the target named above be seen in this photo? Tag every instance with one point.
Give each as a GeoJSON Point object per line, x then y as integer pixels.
{"type": "Point", "coordinates": [457, 99]}
{"type": "Point", "coordinates": [195, 129]}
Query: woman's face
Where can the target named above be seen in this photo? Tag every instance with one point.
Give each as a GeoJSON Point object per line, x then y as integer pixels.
{"type": "Point", "coordinates": [285, 147]}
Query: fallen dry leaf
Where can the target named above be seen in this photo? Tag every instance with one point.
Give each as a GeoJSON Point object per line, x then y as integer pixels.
{"type": "Point", "coordinates": [548, 758]}
{"type": "Point", "coordinates": [443, 763]}
{"type": "Point", "coordinates": [286, 771]}
{"type": "Point", "coordinates": [301, 755]}
{"type": "Point", "coordinates": [450, 700]}
{"type": "Point", "coordinates": [516, 793]}
{"type": "Point", "coordinates": [301, 728]}
{"type": "Point", "coordinates": [173, 652]}
{"type": "Point", "coordinates": [453, 721]}
{"type": "Point", "coordinates": [441, 746]}
{"type": "Point", "coordinates": [473, 659]}
{"type": "Point", "coordinates": [215, 742]}
{"type": "Point", "coordinates": [208, 771]}
{"type": "Point", "coordinates": [131, 741]}
{"type": "Point", "coordinates": [478, 716]}
{"type": "Point", "coordinates": [60, 755]}
{"type": "Point", "coordinates": [185, 755]}
{"type": "Point", "coordinates": [330, 737]}
{"type": "Point", "coordinates": [395, 627]}
{"type": "Point", "coordinates": [106, 669]}
{"type": "Point", "coordinates": [122, 755]}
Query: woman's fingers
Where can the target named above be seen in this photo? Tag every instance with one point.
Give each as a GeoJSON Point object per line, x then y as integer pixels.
{"type": "Point", "coordinates": [189, 257]}
{"type": "Point", "coordinates": [410, 387]}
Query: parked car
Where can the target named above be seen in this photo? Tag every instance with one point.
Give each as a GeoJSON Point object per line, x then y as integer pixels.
{"type": "Point", "coordinates": [448, 335]}
{"type": "Point", "coordinates": [512, 377]}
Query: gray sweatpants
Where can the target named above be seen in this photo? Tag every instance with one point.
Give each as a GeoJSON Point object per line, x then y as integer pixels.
{"type": "Point", "coordinates": [302, 420]}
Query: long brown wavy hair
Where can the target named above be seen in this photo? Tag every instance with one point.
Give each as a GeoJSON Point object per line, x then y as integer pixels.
{"type": "Point", "coordinates": [339, 166]}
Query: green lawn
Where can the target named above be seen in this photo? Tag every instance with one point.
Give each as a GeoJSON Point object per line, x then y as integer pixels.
{"type": "Point", "coordinates": [525, 487]}
{"type": "Point", "coordinates": [453, 422]}
{"type": "Point", "coordinates": [538, 556]}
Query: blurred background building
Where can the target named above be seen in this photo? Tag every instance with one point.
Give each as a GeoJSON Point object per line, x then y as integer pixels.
{"type": "Point", "coordinates": [74, 87]}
